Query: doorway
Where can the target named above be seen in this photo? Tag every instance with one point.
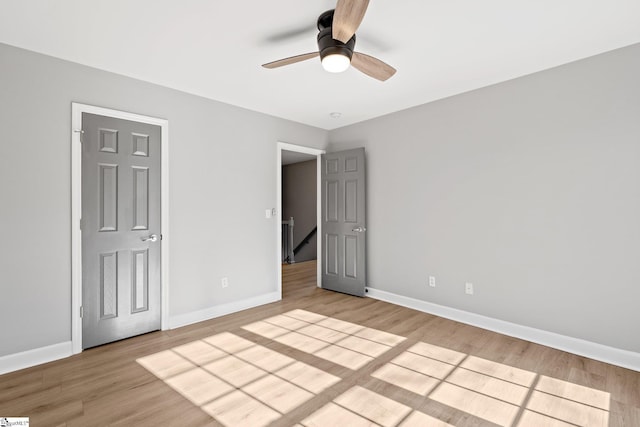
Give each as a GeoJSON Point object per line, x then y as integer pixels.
{"type": "Point", "coordinates": [288, 152]}
{"type": "Point", "coordinates": [108, 143]}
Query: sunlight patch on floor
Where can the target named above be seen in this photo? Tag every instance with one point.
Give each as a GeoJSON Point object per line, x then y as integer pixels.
{"type": "Point", "coordinates": [495, 392]}
{"type": "Point", "coordinates": [239, 382]}
{"type": "Point", "coordinates": [361, 407]}
{"type": "Point", "coordinates": [344, 343]}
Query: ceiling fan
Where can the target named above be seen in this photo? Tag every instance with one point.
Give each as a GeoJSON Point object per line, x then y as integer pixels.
{"type": "Point", "coordinates": [337, 40]}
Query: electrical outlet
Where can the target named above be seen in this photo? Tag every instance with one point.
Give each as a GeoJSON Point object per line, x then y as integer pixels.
{"type": "Point", "coordinates": [432, 281]}
{"type": "Point", "coordinates": [225, 282]}
{"type": "Point", "coordinates": [468, 288]}
{"type": "Point", "coordinates": [267, 213]}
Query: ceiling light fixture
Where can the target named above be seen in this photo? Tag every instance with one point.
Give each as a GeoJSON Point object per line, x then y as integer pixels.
{"type": "Point", "coordinates": [336, 63]}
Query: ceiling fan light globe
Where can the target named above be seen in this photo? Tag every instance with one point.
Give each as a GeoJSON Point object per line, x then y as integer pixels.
{"type": "Point", "coordinates": [335, 63]}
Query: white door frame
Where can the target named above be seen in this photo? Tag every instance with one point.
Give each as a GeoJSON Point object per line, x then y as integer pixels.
{"type": "Point", "coordinates": [306, 150]}
{"type": "Point", "coordinates": [76, 213]}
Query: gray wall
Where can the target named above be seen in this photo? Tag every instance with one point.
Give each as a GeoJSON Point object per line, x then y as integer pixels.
{"type": "Point", "coordinates": [530, 189]}
{"type": "Point", "coordinates": [222, 178]}
{"type": "Point", "coordinates": [299, 181]}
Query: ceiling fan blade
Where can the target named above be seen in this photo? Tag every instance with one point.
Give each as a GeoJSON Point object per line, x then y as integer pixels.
{"type": "Point", "coordinates": [372, 67]}
{"type": "Point", "coordinates": [347, 18]}
{"type": "Point", "coordinates": [290, 60]}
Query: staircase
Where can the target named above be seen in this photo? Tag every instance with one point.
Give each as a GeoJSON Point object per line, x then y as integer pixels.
{"type": "Point", "coordinates": [288, 250]}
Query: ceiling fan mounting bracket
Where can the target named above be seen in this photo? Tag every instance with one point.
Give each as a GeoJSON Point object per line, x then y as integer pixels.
{"type": "Point", "coordinates": [325, 19]}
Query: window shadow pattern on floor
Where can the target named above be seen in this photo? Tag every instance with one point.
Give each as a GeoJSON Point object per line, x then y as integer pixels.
{"type": "Point", "coordinates": [239, 382]}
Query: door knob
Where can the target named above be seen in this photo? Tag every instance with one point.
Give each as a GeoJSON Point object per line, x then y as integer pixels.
{"type": "Point", "coordinates": [360, 229]}
{"type": "Point", "coordinates": [151, 238]}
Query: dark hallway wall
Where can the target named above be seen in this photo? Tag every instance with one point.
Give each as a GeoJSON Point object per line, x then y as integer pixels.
{"type": "Point", "coordinates": [299, 202]}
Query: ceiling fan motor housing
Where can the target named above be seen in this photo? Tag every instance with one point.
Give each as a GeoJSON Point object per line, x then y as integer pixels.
{"type": "Point", "coordinates": [327, 45]}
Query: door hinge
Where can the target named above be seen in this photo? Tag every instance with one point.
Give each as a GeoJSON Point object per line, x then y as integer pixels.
{"type": "Point", "coordinates": [81, 311]}
{"type": "Point", "coordinates": [80, 223]}
{"type": "Point", "coordinates": [81, 132]}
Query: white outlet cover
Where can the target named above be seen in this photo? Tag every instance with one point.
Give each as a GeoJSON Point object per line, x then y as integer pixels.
{"type": "Point", "coordinates": [267, 213]}
{"type": "Point", "coordinates": [432, 281]}
{"type": "Point", "coordinates": [468, 288]}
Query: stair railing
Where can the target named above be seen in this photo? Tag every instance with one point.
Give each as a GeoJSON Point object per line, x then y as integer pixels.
{"type": "Point", "coordinates": [288, 254]}
{"type": "Point", "coordinates": [306, 240]}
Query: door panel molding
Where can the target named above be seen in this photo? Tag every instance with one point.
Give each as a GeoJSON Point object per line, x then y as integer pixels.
{"type": "Point", "coordinates": [110, 143]}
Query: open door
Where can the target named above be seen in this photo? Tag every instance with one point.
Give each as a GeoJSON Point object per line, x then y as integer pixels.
{"type": "Point", "coordinates": [344, 222]}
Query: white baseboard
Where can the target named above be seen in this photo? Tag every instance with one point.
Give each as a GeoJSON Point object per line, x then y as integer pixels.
{"type": "Point", "coordinates": [221, 310]}
{"type": "Point", "coordinates": [37, 356]}
{"type": "Point", "coordinates": [624, 358]}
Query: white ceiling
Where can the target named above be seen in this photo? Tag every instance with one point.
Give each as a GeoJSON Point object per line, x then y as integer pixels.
{"type": "Point", "coordinates": [214, 48]}
{"type": "Point", "coordinates": [291, 157]}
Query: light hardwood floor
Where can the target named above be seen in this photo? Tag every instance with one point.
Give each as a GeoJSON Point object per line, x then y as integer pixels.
{"type": "Point", "coordinates": [319, 358]}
